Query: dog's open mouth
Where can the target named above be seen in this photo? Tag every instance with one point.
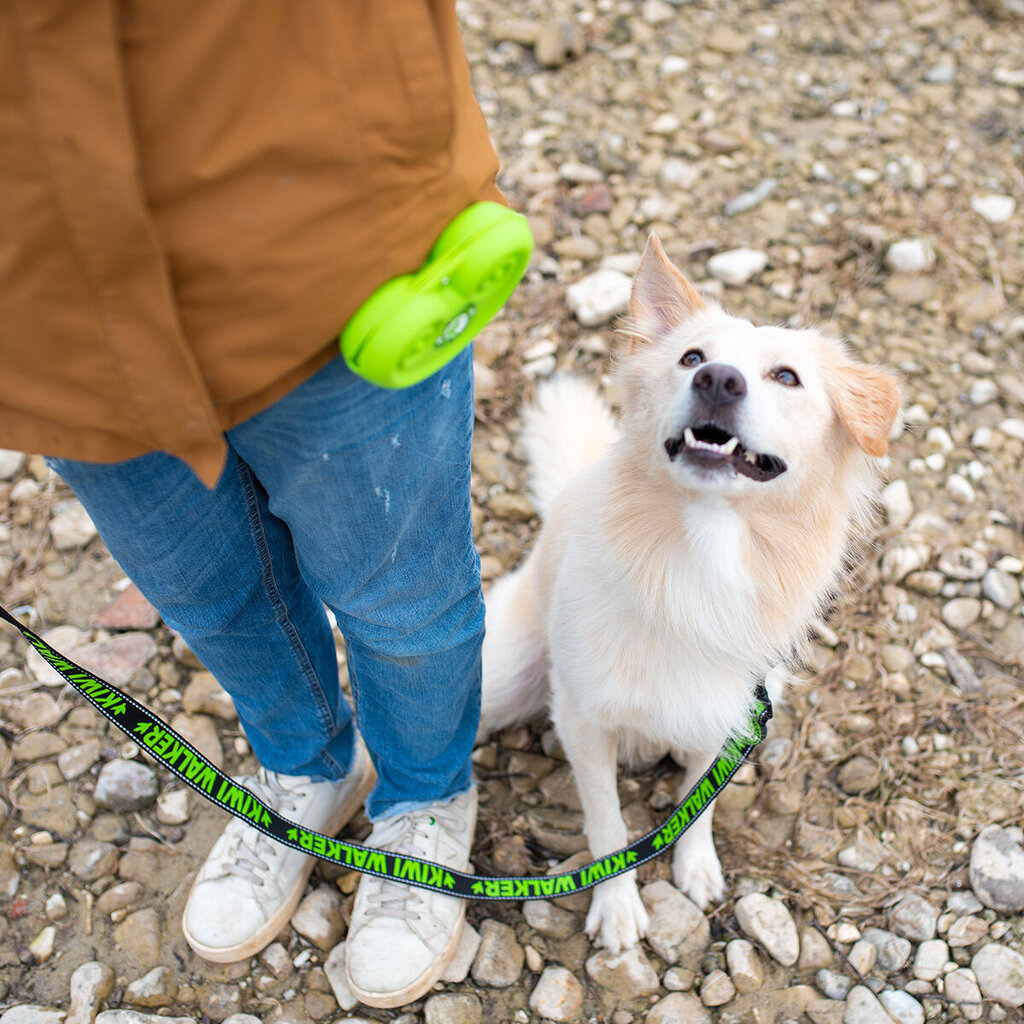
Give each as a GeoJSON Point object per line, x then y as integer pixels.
{"type": "Point", "coordinates": [707, 445]}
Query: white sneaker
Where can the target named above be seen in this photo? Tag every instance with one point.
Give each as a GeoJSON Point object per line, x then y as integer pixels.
{"type": "Point", "coordinates": [402, 938]}
{"type": "Point", "coordinates": [249, 886]}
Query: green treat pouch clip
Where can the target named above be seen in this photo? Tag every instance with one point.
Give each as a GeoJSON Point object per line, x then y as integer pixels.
{"type": "Point", "coordinates": [412, 325]}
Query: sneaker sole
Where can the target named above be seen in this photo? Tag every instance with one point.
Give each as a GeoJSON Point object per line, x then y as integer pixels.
{"type": "Point", "coordinates": [261, 939]}
{"type": "Point", "coordinates": [421, 986]}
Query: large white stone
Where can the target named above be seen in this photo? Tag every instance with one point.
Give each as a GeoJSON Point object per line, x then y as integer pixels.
{"type": "Point", "coordinates": [996, 209]}
{"type": "Point", "coordinates": [10, 463]}
{"type": "Point", "coordinates": [770, 923]}
{"type": "Point", "coordinates": [737, 266]}
{"type": "Point", "coordinates": [1000, 973]}
{"type": "Point", "coordinates": [911, 256]}
{"type": "Point", "coordinates": [599, 297]}
{"type": "Point", "coordinates": [71, 526]}
{"type": "Point", "coordinates": [558, 995]}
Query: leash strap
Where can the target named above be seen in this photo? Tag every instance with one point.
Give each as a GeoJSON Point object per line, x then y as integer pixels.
{"type": "Point", "coordinates": [176, 754]}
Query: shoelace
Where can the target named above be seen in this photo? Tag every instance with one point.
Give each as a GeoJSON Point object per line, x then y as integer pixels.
{"type": "Point", "coordinates": [406, 833]}
{"type": "Point", "coordinates": [251, 851]}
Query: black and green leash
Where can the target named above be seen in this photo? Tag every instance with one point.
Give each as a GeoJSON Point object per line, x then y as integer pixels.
{"type": "Point", "coordinates": [176, 754]}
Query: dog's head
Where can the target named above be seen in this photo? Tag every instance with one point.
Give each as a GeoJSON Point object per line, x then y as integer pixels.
{"type": "Point", "coordinates": [736, 409]}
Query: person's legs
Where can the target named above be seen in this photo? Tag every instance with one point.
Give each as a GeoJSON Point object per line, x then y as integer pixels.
{"type": "Point", "coordinates": [374, 487]}
{"type": "Point", "coordinates": [383, 534]}
{"type": "Point", "coordinates": [221, 570]}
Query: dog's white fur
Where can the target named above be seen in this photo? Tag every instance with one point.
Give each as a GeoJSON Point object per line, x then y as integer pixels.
{"type": "Point", "coordinates": [659, 587]}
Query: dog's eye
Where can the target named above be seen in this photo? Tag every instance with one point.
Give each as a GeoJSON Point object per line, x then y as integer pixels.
{"type": "Point", "coordinates": [692, 357]}
{"type": "Point", "coordinates": [786, 377]}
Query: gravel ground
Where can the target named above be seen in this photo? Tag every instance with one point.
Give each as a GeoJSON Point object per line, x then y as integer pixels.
{"type": "Point", "coordinates": [856, 165]}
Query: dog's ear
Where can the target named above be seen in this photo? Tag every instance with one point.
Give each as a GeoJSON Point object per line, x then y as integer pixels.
{"type": "Point", "coordinates": [662, 298]}
{"type": "Point", "coordinates": [867, 400]}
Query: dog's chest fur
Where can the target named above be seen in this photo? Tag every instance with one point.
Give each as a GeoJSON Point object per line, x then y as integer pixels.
{"type": "Point", "coordinates": [656, 641]}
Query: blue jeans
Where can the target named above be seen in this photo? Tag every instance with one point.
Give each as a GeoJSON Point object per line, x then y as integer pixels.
{"type": "Point", "coordinates": [341, 494]}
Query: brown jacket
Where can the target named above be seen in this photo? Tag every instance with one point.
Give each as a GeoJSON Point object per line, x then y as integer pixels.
{"type": "Point", "coordinates": [196, 195]}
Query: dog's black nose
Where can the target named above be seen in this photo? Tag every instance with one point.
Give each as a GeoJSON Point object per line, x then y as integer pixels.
{"type": "Point", "coordinates": [718, 384]}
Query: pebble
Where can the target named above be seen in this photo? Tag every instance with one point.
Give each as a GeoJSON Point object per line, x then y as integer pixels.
{"type": "Point", "coordinates": [319, 917]}
{"type": "Point", "coordinates": [862, 956]}
{"type": "Point", "coordinates": [863, 1007]}
{"type": "Point", "coordinates": [930, 960]}
{"type": "Point", "coordinates": [462, 960]}
{"type": "Point", "coordinates": [914, 918]}
{"type": "Point", "coordinates": [41, 947]}
{"type": "Point", "coordinates": [129, 610]}
{"type": "Point", "coordinates": [859, 775]}
{"type": "Point", "coordinates": [154, 989]}
{"type": "Point", "coordinates": [962, 563]}
{"type": "Point", "coordinates": [453, 1008]}
{"type": "Point", "coordinates": [962, 987]}
{"type": "Point", "coordinates": [70, 526]}
{"type": "Point", "coordinates": [599, 297]}
{"type": "Point", "coordinates": [961, 612]}
{"type": "Point", "coordinates": [748, 200]}
{"type": "Point", "coordinates": [119, 897]}
{"type": "Point", "coordinates": [77, 760]}
{"type": "Point", "coordinates": [1000, 973]}
{"type": "Point", "coordinates": [832, 984]}
{"type": "Point", "coordinates": [125, 786]}
{"type": "Point", "coordinates": [996, 209]}
{"type": "Point", "coordinates": [902, 1006]}
{"type": "Point", "coordinates": [737, 266]}
{"type": "Point", "coordinates": [29, 1013]}
{"type": "Point", "coordinates": [118, 660]}
{"type": "Point", "coordinates": [139, 936]}
{"type": "Point", "coordinates": [499, 960]}
{"type": "Point", "coordinates": [679, 1008]}
{"type": "Point", "coordinates": [769, 922]}
{"type": "Point", "coordinates": [201, 732]}
{"type": "Point", "coordinates": [136, 1017]}
{"type": "Point", "coordinates": [716, 989]}
{"type": "Point", "coordinates": [911, 256]}
{"type": "Point", "coordinates": [745, 967]}
{"type": "Point", "coordinates": [675, 173]}
{"type": "Point", "coordinates": [677, 930]}
{"type": "Point", "coordinates": [10, 463]}
{"type": "Point", "coordinates": [893, 950]}
{"type": "Point", "coordinates": [558, 41]}
{"type": "Point", "coordinates": [997, 868]}
{"type": "Point", "coordinates": [628, 974]}
{"type": "Point", "coordinates": [899, 508]}
{"type": "Point", "coordinates": [172, 807]}
{"type": "Point", "coordinates": [204, 695]}
{"type": "Point", "coordinates": [91, 983]}
{"type": "Point", "coordinates": [1000, 588]}
{"type": "Point", "coordinates": [220, 1001]}
{"type": "Point", "coordinates": [337, 976]}
{"type": "Point", "coordinates": [547, 919]}
{"type": "Point", "coordinates": [904, 558]}
{"type": "Point", "coordinates": [56, 907]}
{"type": "Point", "coordinates": [960, 489]}
{"type": "Point", "coordinates": [91, 859]}
{"type": "Point", "coordinates": [557, 996]}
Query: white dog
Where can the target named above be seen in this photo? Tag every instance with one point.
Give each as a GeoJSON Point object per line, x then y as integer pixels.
{"type": "Point", "coordinates": [682, 554]}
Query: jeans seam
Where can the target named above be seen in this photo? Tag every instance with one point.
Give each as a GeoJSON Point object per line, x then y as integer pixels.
{"type": "Point", "coordinates": [284, 621]}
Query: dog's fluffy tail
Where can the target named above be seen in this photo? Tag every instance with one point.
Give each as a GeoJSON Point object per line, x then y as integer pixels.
{"type": "Point", "coordinates": [514, 656]}
{"type": "Point", "coordinates": [568, 428]}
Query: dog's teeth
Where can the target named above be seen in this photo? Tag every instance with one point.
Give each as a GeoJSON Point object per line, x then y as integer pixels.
{"type": "Point", "coordinates": [750, 457]}
{"type": "Point", "coordinates": [691, 441]}
{"type": "Point", "coordinates": [730, 446]}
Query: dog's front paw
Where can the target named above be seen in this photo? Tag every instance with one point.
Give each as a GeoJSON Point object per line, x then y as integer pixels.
{"type": "Point", "coordinates": [617, 916]}
{"type": "Point", "coordinates": [698, 874]}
